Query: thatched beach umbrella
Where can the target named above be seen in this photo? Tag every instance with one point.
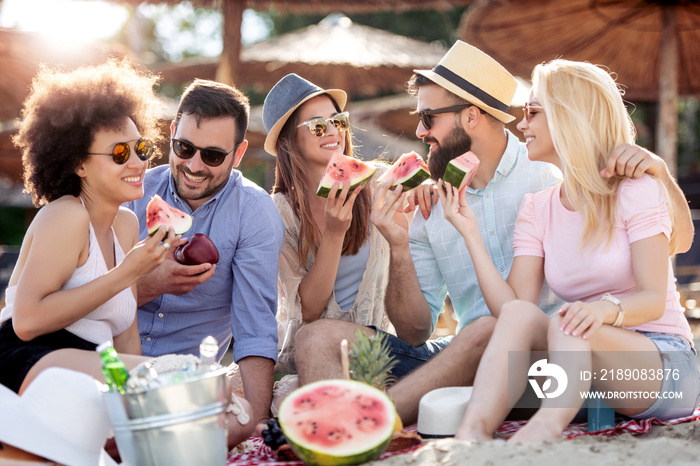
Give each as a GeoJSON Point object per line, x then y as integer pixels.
{"type": "Point", "coordinates": [652, 45]}
{"type": "Point", "coordinates": [229, 68]}
{"type": "Point", "coordinates": [335, 53]}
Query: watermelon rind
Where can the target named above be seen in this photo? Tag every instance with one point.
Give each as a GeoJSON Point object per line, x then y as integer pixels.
{"type": "Point", "coordinates": [414, 180]}
{"type": "Point", "coordinates": [410, 180]}
{"type": "Point", "coordinates": [459, 171]}
{"type": "Point", "coordinates": [329, 456]}
{"type": "Point", "coordinates": [167, 215]}
{"type": "Point", "coordinates": [359, 178]}
{"type": "Point", "coordinates": [324, 190]}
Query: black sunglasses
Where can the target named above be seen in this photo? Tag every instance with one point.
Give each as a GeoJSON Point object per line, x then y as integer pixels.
{"type": "Point", "coordinates": [121, 152]}
{"type": "Point", "coordinates": [426, 116]}
{"type": "Point", "coordinates": [212, 157]}
{"type": "Point", "coordinates": [318, 126]}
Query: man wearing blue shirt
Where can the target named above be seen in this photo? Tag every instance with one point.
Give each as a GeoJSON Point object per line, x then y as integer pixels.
{"type": "Point", "coordinates": [179, 305]}
{"type": "Point", "coordinates": [463, 105]}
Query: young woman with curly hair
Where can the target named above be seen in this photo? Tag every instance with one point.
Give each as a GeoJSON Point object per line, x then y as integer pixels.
{"type": "Point", "coordinates": [86, 137]}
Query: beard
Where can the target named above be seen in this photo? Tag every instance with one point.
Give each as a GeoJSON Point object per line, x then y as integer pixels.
{"type": "Point", "coordinates": [455, 144]}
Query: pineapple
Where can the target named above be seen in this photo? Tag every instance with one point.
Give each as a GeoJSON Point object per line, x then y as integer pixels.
{"type": "Point", "coordinates": [370, 361]}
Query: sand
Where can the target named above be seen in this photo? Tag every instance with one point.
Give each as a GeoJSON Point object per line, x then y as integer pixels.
{"type": "Point", "coordinates": [663, 445]}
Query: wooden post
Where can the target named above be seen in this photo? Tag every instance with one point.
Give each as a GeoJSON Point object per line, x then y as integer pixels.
{"type": "Point", "coordinates": [229, 66]}
{"type": "Point", "coordinates": [667, 124]}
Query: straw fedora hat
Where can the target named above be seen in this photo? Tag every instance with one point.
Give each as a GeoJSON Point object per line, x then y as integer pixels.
{"type": "Point", "coordinates": [60, 417]}
{"type": "Point", "coordinates": [474, 76]}
{"type": "Point", "coordinates": [285, 97]}
{"type": "Point", "coordinates": [441, 411]}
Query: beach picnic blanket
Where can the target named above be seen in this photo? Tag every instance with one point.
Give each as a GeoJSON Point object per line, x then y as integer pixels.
{"type": "Point", "coordinates": [260, 454]}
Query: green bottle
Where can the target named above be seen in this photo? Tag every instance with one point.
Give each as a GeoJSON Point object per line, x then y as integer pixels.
{"type": "Point", "coordinates": [113, 368]}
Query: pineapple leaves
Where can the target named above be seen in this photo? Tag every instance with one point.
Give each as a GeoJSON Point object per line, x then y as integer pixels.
{"type": "Point", "coordinates": [371, 361]}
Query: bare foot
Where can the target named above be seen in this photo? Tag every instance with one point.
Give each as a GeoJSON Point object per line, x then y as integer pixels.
{"type": "Point", "coordinates": [536, 432]}
{"type": "Point", "coordinates": [472, 434]}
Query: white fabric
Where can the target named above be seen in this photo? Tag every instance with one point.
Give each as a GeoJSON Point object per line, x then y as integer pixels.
{"type": "Point", "coordinates": [60, 417]}
{"type": "Point", "coordinates": [111, 318]}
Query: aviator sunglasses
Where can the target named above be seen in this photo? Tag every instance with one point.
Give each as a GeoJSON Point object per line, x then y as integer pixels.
{"type": "Point", "coordinates": [212, 157]}
{"type": "Point", "coordinates": [121, 152]}
{"type": "Point", "coordinates": [426, 116]}
{"type": "Point", "coordinates": [318, 126]}
{"type": "Point", "coordinates": [530, 111]}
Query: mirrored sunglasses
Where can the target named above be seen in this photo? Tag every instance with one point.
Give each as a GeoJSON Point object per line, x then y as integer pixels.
{"type": "Point", "coordinates": [426, 116]}
{"type": "Point", "coordinates": [318, 126]}
{"type": "Point", "coordinates": [212, 157]}
{"type": "Point", "coordinates": [121, 152]}
{"type": "Point", "coordinates": [530, 111]}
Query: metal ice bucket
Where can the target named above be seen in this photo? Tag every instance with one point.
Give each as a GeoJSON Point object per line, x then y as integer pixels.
{"type": "Point", "coordinates": [181, 424]}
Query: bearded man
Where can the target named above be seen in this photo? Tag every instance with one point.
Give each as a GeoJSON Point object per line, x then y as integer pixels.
{"type": "Point", "coordinates": [462, 104]}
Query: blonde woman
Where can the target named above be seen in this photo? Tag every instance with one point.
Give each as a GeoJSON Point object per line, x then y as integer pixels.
{"type": "Point", "coordinates": [603, 245]}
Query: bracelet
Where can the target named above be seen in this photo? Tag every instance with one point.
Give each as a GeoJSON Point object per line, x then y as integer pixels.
{"type": "Point", "coordinates": [620, 313]}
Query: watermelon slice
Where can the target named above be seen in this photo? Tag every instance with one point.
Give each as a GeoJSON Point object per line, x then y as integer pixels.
{"type": "Point", "coordinates": [337, 422]}
{"type": "Point", "coordinates": [161, 214]}
{"type": "Point", "coordinates": [461, 170]}
{"type": "Point", "coordinates": [409, 171]}
{"type": "Point", "coordinates": [345, 170]}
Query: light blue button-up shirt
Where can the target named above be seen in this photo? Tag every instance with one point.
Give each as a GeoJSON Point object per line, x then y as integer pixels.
{"type": "Point", "coordinates": [240, 300]}
{"type": "Point", "coordinates": [441, 258]}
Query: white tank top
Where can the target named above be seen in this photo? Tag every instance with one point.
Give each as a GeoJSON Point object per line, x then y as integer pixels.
{"type": "Point", "coordinates": [109, 319]}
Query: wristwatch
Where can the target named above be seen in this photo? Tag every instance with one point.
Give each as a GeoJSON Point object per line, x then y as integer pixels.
{"type": "Point", "coordinates": [616, 302]}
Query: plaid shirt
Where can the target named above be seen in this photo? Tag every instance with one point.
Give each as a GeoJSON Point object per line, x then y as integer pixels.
{"type": "Point", "coordinates": [441, 259]}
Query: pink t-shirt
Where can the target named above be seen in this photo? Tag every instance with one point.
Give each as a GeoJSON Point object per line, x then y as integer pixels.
{"type": "Point", "coordinates": [545, 228]}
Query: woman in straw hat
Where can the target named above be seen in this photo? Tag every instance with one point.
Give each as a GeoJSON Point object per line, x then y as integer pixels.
{"type": "Point", "coordinates": [85, 148]}
{"type": "Point", "coordinates": [602, 244]}
{"type": "Point", "coordinates": [334, 262]}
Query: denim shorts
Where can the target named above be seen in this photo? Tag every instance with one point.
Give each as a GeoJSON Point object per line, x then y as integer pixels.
{"type": "Point", "coordinates": [409, 357]}
{"type": "Point", "coordinates": [677, 354]}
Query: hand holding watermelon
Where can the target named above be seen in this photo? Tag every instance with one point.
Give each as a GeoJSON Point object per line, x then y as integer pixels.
{"type": "Point", "coordinates": [388, 215]}
{"type": "Point", "coordinates": [457, 211]}
{"type": "Point", "coordinates": [148, 254]}
{"type": "Point", "coordinates": [338, 211]}
{"type": "Point", "coordinates": [165, 221]}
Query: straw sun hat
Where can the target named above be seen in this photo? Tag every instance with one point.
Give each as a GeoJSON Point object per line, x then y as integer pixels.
{"type": "Point", "coordinates": [60, 417]}
{"type": "Point", "coordinates": [286, 96]}
{"type": "Point", "coordinates": [474, 76]}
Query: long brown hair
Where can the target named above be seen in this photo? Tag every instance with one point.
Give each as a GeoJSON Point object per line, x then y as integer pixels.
{"type": "Point", "coordinates": [291, 180]}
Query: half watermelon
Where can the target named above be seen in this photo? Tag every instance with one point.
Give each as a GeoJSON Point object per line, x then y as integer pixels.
{"type": "Point", "coordinates": [345, 170]}
{"type": "Point", "coordinates": [161, 214]}
{"type": "Point", "coordinates": [337, 422]}
{"type": "Point", "coordinates": [461, 170]}
{"type": "Point", "coordinates": [409, 171]}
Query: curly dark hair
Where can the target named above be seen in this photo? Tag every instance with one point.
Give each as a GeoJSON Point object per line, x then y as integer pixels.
{"type": "Point", "coordinates": [65, 110]}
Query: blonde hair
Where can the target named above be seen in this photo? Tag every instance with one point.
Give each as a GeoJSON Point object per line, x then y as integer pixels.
{"type": "Point", "coordinates": [587, 119]}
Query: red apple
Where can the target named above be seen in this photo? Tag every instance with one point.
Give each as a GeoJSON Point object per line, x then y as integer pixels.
{"type": "Point", "coordinates": [198, 250]}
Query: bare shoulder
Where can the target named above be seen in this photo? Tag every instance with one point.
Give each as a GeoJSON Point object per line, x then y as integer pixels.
{"type": "Point", "coordinates": [126, 227]}
{"type": "Point", "coordinates": [126, 218]}
{"type": "Point", "coordinates": [65, 214]}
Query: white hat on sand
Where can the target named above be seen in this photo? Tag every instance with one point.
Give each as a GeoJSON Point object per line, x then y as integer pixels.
{"type": "Point", "coordinates": [60, 417]}
{"type": "Point", "coordinates": [441, 411]}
